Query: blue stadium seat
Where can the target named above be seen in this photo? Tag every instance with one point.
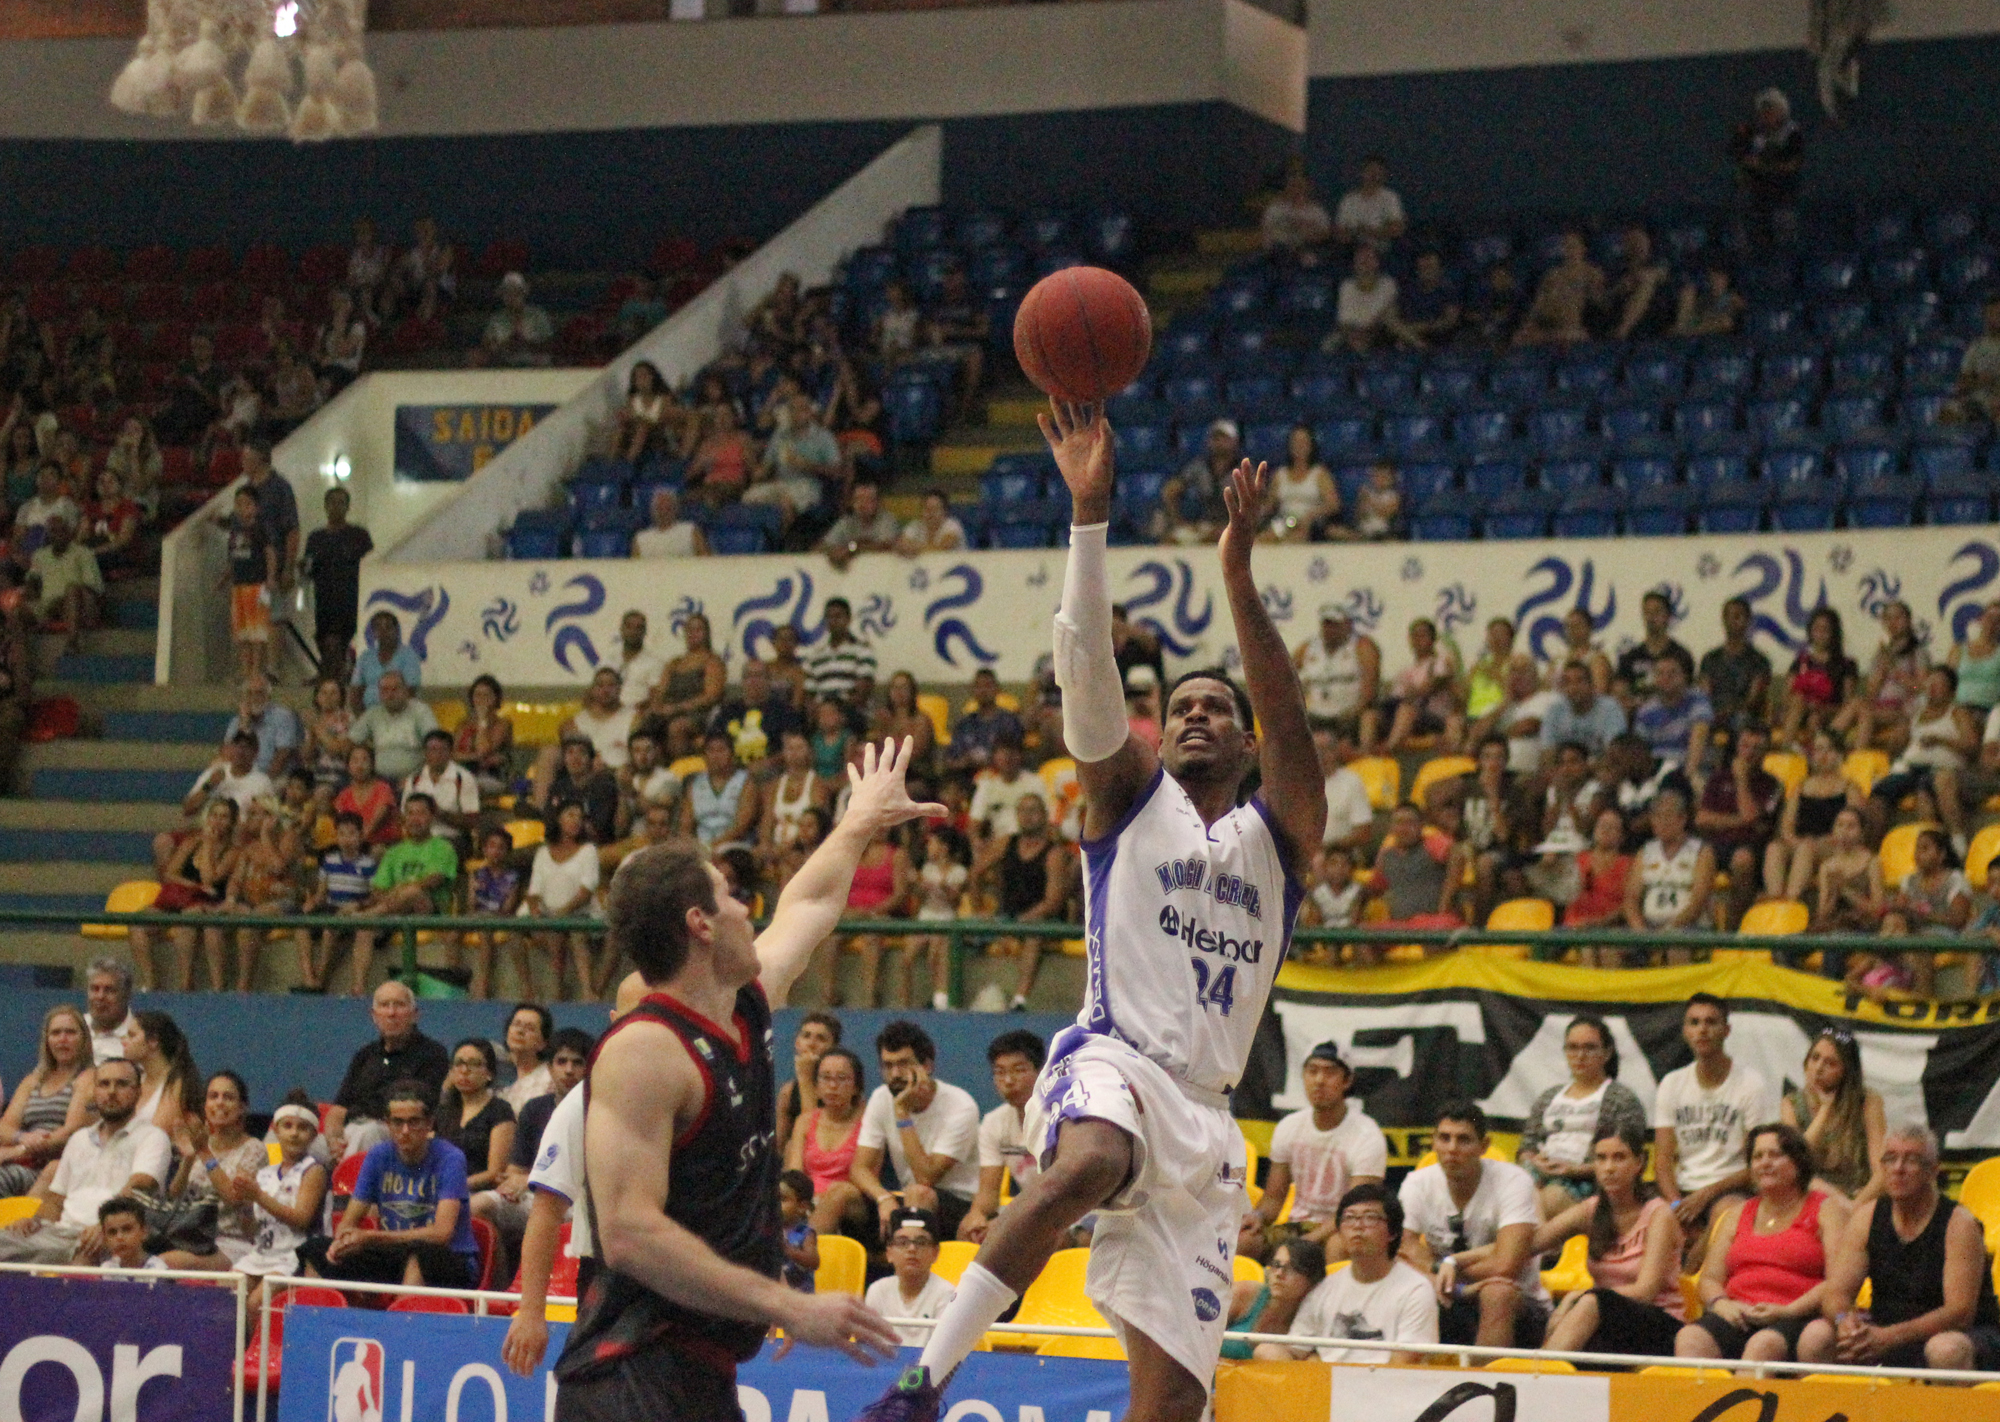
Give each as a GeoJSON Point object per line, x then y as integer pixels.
{"type": "Point", "coordinates": [919, 228]}
{"type": "Point", "coordinates": [1349, 475]}
{"type": "Point", "coordinates": [1808, 507]}
{"type": "Point", "coordinates": [987, 267]}
{"type": "Point", "coordinates": [1194, 391]}
{"type": "Point", "coordinates": [1682, 238]}
{"type": "Point", "coordinates": [1019, 535]}
{"type": "Point", "coordinates": [1790, 367]}
{"type": "Point", "coordinates": [1110, 236]}
{"type": "Point", "coordinates": [1966, 272]}
{"type": "Point", "coordinates": [870, 268]}
{"type": "Point", "coordinates": [1719, 459]}
{"type": "Point", "coordinates": [1914, 316]}
{"type": "Point", "coordinates": [1959, 498]}
{"type": "Point", "coordinates": [1792, 462]}
{"type": "Point", "coordinates": [1184, 344]}
{"type": "Point", "coordinates": [1550, 425]}
{"type": "Point", "coordinates": [1628, 419]}
{"type": "Point", "coordinates": [1423, 479]}
{"type": "Point", "coordinates": [611, 517]}
{"type": "Point", "coordinates": [980, 227]}
{"type": "Point", "coordinates": [1774, 414]}
{"type": "Point", "coordinates": [1840, 319]}
{"type": "Point", "coordinates": [1587, 513]}
{"type": "Point", "coordinates": [599, 469]}
{"type": "Point", "coordinates": [1521, 513]}
{"type": "Point", "coordinates": [1642, 471]}
{"type": "Point", "coordinates": [1950, 225]}
{"type": "Point", "coordinates": [1865, 365]}
{"type": "Point", "coordinates": [1830, 272]}
{"type": "Point", "coordinates": [1709, 414]}
{"type": "Point", "coordinates": [1660, 511]}
{"type": "Point", "coordinates": [1407, 428]}
{"type": "Point", "coordinates": [1776, 322]}
{"type": "Point", "coordinates": [1768, 276]}
{"type": "Point", "coordinates": [604, 543]}
{"type": "Point", "coordinates": [1941, 454]}
{"type": "Point", "coordinates": [1238, 294]}
{"type": "Point", "coordinates": [737, 540]}
{"type": "Point", "coordinates": [1444, 517]}
{"type": "Point", "coordinates": [1892, 273]}
{"type": "Point", "coordinates": [1587, 372]}
{"type": "Point", "coordinates": [1147, 441]}
{"type": "Point", "coordinates": [1861, 460]}
{"type": "Point", "coordinates": [1317, 389]}
{"type": "Point", "coordinates": [1454, 384]}
{"type": "Point", "coordinates": [1519, 376]}
{"type": "Point", "coordinates": [1725, 369]}
{"type": "Point", "coordinates": [1140, 486]}
{"type": "Point", "coordinates": [1385, 384]}
{"type": "Point", "coordinates": [1919, 409]}
{"type": "Point", "coordinates": [1483, 249]}
{"type": "Point", "coordinates": [1885, 227]}
{"type": "Point", "coordinates": [1000, 487]}
{"type": "Point", "coordinates": [1045, 229]}
{"type": "Point", "coordinates": [1656, 371]}
{"type": "Point", "coordinates": [1933, 364]}
{"type": "Point", "coordinates": [1267, 441]}
{"type": "Point", "coordinates": [1344, 431]}
{"type": "Point", "coordinates": [1492, 474]}
{"type": "Point", "coordinates": [1843, 416]}
{"type": "Point", "coordinates": [1189, 438]}
{"type": "Point", "coordinates": [1883, 502]}
{"type": "Point", "coordinates": [585, 497]}
{"type": "Point", "coordinates": [928, 269]}
{"type": "Point", "coordinates": [1566, 475]}
{"type": "Point", "coordinates": [1250, 392]}
{"type": "Point", "coordinates": [1311, 297]}
{"type": "Point", "coordinates": [915, 411]}
{"type": "Point", "coordinates": [1732, 508]}
{"type": "Point", "coordinates": [1246, 348]}
{"type": "Point", "coordinates": [1135, 405]}
{"type": "Point", "coordinates": [1483, 425]}
{"type": "Point", "coordinates": [535, 543]}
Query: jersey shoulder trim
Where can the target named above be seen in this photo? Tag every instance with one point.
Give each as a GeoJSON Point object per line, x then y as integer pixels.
{"type": "Point", "coordinates": [1139, 802]}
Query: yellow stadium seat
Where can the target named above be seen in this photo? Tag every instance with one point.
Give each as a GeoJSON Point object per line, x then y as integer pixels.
{"type": "Point", "coordinates": [1788, 768]}
{"type": "Point", "coordinates": [939, 710]}
{"type": "Point", "coordinates": [16, 1208]}
{"type": "Point", "coordinates": [953, 1256]}
{"type": "Point", "coordinates": [273, 1152]}
{"type": "Point", "coordinates": [1055, 1297]}
{"type": "Point", "coordinates": [324, 832]}
{"type": "Point", "coordinates": [1518, 915]}
{"type": "Point", "coordinates": [1005, 700]}
{"type": "Point", "coordinates": [843, 1266]}
{"type": "Point", "coordinates": [1248, 1270]}
{"type": "Point", "coordinates": [686, 766]}
{"type": "Point", "coordinates": [1979, 856]}
{"type": "Point", "coordinates": [1899, 852]}
{"type": "Point", "coordinates": [1860, 1379]}
{"type": "Point", "coordinates": [539, 723]}
{"type": "Point", "coordinates": [1986, 1387]}
{"type": "Point", "coordinates": [1981, 1194]}
{"type": "Point", "coordinates": [132, 896]}
{"type": "Point", "coordinates": [1106, 1348]}
{"type": "Point", "coordinates": [1530, 1365]}
{"type": "Point", "coordinates": [1865, 767]}
{"type": "Point", "coordinates": [526, 834]}
{"type": "Point", "coordinates": [1572, 1271]}
{"type": "Point", "coordinates": [1776, 917]}
{"type": "Point", "coordinates": [1691, 1296]}
{"type": "Point", "coordinates": [1383, 777]}
{"type": "Point", "coordinates": [450, 715]}
{"type": "Point", "coordinates": [1444, 767]}
{"type": "Point", "coordinates": [1667, 1370]}
{"type": "Point", "coordinates": [1249, 1161]}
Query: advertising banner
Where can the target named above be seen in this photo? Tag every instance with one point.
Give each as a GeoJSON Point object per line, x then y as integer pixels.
{"type": "Point", "coordinates": [75, 1347]}
{"type": "Point", "coordinates": [355, 1365]}
{"type": "Point", "coordinates": [944, 616]}
{"type": "Point", "coordinates": [446, 443]}
{"type": "Point", "coordinates": [1486, 1026]}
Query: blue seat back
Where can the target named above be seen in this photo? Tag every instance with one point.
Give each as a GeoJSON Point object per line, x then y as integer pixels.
{"type": "Point", "coordinates": [1353, 429]}
{"type": "Point", "coordinates": [1425, 479]}
{"type": "Point", "coordinates": [1844, 415]}
{"type": "Point", "coordinates": [1491, 475]}
{"type": "Point", "coordinates": [1626, 420]}
{"type": "Point", "coordinates": [1724, 370]}
{"type": "Point", "coordinates": [1655, 372]}
{"type": "Point", "coordinates": [1557, 424]}
{"type": "Point", "coordinates": [1709, 415]}
{"type": "Point", "coordinates": [1405, 429]}
{"type": "Point", "coordinates": [1858, 463]}
{"type": "Point", "coordinates": [1775, 414]}
{"type": "Point", "coordinates": [1642, 471]}
{"type": "Point", "coordinates": [1564, 475]}
{"type": "Point", "coordinates": [1483, 425]}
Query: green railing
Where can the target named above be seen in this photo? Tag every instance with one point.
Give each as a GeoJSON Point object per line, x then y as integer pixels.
{"type": "Point", "coordinates": [962, 932]}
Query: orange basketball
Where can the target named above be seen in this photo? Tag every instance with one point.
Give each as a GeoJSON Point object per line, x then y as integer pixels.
{"type": "Point", "coordinates": [1082, 334]}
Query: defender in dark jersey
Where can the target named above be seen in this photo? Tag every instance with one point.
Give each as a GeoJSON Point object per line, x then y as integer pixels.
{"type": "Point", "coordinates": [681, 1177]}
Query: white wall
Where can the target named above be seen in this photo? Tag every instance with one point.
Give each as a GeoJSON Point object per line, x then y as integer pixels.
{"type": "Point", "coordinates": [526, 473]}
{"type": "Point", "coordinates": [1353, 37]}
{"type": "Point", "coordinates": [1003, 59]}
{"type": "Point", "coordinates": [359, 426]}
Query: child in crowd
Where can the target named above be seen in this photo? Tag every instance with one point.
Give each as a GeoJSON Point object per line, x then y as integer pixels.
{"type": "Point", "coordinates": [493, 890]}
{"type": "Point", "coordinates": [253, 574]}
{"type": "Point", "coordinates": [286, 1195]}
{"type": "Point", "coordinates": [122, 1222]}
{"type": "Point", "coordinates": [912, 1291]}
{"type": "Point", "coordinates": [325, 751]}
{"type": "Point", "coordinates": [346, 877]}
{"type": "Point", "coordinates": [266, 881]}
{"type": "Point", "coordinates": [941, 881]}
{"type": "Point", "coordinates": [795, 1198]}
{"type": "Point", "coordinates": [1335, 900]}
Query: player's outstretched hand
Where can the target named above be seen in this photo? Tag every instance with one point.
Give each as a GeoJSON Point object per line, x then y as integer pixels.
{"type": "Point", "coordinates": [880, 797]}
{"type": "Point", "coordinates": [1080, 439]}
{"type": "Point", "coordinates": [840, 1321]}
{"type": "Point", "coordinates": [1244, 496]}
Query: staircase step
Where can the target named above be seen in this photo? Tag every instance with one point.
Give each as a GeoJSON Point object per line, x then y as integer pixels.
{"type": "Point", "coordinates": [95, 670]}
{"type": "Point", "coordinates": [135, 753]}
{"type": "Point", "coordinates": [162, 787]}
{"type": "Point", "coordinates": [1015, 410]}
{"type": "Point", "coordinates": [107, 697]}
{"type": "Point", "coordinates": [50, 903]}
{"type": "Point", "coordinates": [73, 876]}
{"type": "Point", "coordinates": [191, 728]}
{"type": "Point", "coordinates": [41, 846]}
{"type": "Point", "coordinates": [145, 816]}
{"type": "Point", "coordinates": [62, 947]}
{"type": "Point", "coordinates": [134, 613]}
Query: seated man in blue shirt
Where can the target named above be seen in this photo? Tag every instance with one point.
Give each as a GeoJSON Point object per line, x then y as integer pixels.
{"type": "Point", "coordinates": [1580, 714]}
{"type": "Point", "coordinates": [385, 653]}
{"type": "Point", "coordinates": [413, 1184]}
{"type": "Point", "coordinates": [983, 727]}
{"type": "Point", "coordinates": [1675, 721]}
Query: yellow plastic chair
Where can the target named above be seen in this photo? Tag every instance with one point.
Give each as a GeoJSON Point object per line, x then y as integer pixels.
{"type": "Point", "coordinates": [939, 710]}
{"type": "Point", "coordinates": [1249, 1160]}
{"type": "Point", "coordinates": [1981, 853]}
{"type": "Point", "coordinates": [1667, 1370]}
{"type": "Point", "coordinates": [1248, 1270]}
{"type": "Point", "coordinates": [1383, 778]}
{"type": "Point", "coordinates": [450, 715]}
{"type": "Point", "coordinates": [273, 1152]}
{"type": "Point", "coordinates": [1691, 1296]}
{"type": "Point", "coordinates": [325, 832]}
{"type": "Point", "coordinates": [1572, 1271]}
{"type": "Point", "coordinates": [1053, 769]}
{"type": "Point", "coordinates": [1788, 768]}
{"type": "Point", "coordinates": [1856, 1379]}
{"type": "Point", "coordinates": [1981, 1194]}
{"type": "Point", "coordinates": [132, 896]}
{"type": "Point", "coordinates": [1443, 767]}
{"type": "Point", "coordinates": [526, 834]}
{"type": "Point", "coordinates": [1775, 917]}
{"type": "Point", "coordinates": [16, 1208]}
{"type": "Point", "coordinates": [539, 723]}
{"type": "Point", "coordinates": [1899, 852]}
{"type": "Point", "coordinates": [953, 1256]}
{"type": "Point", "coordinates": [1518, 916]}
{"type": "Point", "coordinates": [843, 1266]}
{"type": "Point", "coordinates": [1106, 1348]}
{"type": "Point", "coordinates": [1865, 767]}
{"type": "Point", "coordinates": [1530, 1365]}
{"type": "Point", "coordinates": [1055, 1297]}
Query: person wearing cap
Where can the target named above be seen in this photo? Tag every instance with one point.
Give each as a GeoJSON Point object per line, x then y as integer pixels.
{"type": "Point", "coordinates": [1322, 1152]}
{"type": "Point", "coordinates": [1769, 151]}
{"type": "Point", "coordinates": [912, 1291]}
{"type": "Point", "coordinates": [1191, 502]}
{"type": "Point", "coordinates": [518, 334]}
{"type": "Point", "coordinates": [1341, 670]}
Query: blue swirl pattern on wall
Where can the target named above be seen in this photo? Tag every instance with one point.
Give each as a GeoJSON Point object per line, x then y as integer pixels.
{"type": "Point", "coordinates": [748, 629]}
{"type": "Point", "coordinates": [1277, 600]}
{"type": "Point", "coordinates": [1879, 589]}
{"type": "Point", "coordinates": [573, 637]}
{"type": "Point", "coordinates": [1455, 607]}
{"type": "Point", "coordinates": [1548, 627]}
{"type": "Point", "coordinates": [1181, 636]}
{"type": "Point", "coordinates": [1364, 609]}
{"type": "Point", "coordinates": [1986, 567]}
{"type": "Point", "coordinates": [500, 619]}
{"type": "Point", "coordinates": [1791, 633]}
{"type": "Point", "coordinates": [427, 608]}
{"type": "Point", "coordinates": [876, 616]}
{"type": "Point", "coordinates": [680, 612]}
{"type": "Point", "coordinates": [953, 629]}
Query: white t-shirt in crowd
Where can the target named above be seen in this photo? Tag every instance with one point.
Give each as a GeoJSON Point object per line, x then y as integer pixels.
{"type": "Point", "coordinates": [106, 1045]}
{"type": "Point", "coordinates": [558, 1168]}
{"type": "Point", "coordinates": [1524, 752]}
{"type": "Point", "coordinates": [675, 542]}
{"type": "Point", "coordinates": [557, 885]}
{"type": "Point", "coordinates": [1992, 731]}
{"type": "Point", "coordinates": [885, 1296]}
{"type": "Point", "coordinates": [994, 799]}
{"type": "Point", "coordinates": [242, 789]}
{"type": "Point", "coordinates": [1711, 1128]}
{"type": "Point", "coordinates": [1368, 212]}
{"type": "Point", "coordinates": [93, 1169]}
{"type": "Point", "coordinates": [1324, 1164]}
{"type": "Point", "coordinates": [1400, 1306]}
{"type": "Point", "coordinates": [1364, 308]}
{"type": "Point", "coordinates": [948, 1126]}
{"type": "Point", "coordinates": [1506, 1196]}
{"type": "Point", "coordinates": [1570, 1124]}
{"type": "Point", "coordinates": [1347, 807]}
{"type": "Point", "coordinates": [523, 1089]}
{"type": "Point", "coordinates": [1003, 1142]}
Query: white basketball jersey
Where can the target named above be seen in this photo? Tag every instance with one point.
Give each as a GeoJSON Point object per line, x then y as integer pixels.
{"type": "Point", "coordinates": [1667, 884]}
{"type": "Point", "coordinates": [1185, 926]}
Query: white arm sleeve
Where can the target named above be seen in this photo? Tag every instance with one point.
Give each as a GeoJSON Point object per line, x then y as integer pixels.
{"type": "Point", "coordinates": [1086, 668]}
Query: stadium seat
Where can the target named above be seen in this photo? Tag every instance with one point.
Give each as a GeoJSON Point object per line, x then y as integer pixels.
{"type": "Point", "coordinates": [1642, 471]}
{"type": "Point", "coordinates": [1660, 511]}
{"type": "Point", "coordinates": [1530, 1365]}
{"type": "Point", "coordinates": [1958, 499]}
{"type": "Point", "coordinates": [1443, 767]}
{"type": "Point", "coordinates": [843, 1266]}
{"type": "Point", "coordinates": [1383, 777]}
{"type": "Point", "coordinates": [1719, 370]}
{"type": "Point", "coordinates": [1979, 1193]}
{"type": "Point", "coordinates": [1655, 370]}
{"type": "Point", "coordinates": [1775, 917]}
{"type": "Point", "coordinates": [1518, 916]}
{"type": "Point", "coordinates": [16, 1208]}
{"type": "Point", "coordinates": [428, 1303]}
{"type": "Point", "coordinates": [1056, 1297]}
{"type": "Point", "coordinates": [1107, 1349]}
{"type": "Point", "coordinates": [1788, 768]}
{"type": "Point", "coordinates": [1888, 502]}
{"type": "Point", "coordinates": [1774, 415]}
{"type": "Point", "coordinates": [1550, 425]}
{"type": "Point", "coordinates": [1980, 854]}
{"type": "Point", "coordinates": [1445, 517]}
{"type": "Point", "coordinates": [1572, 1271]}
{"type": "Point", "coordinates": [1732, 508]}
{"type": "Point", "coordinates": [1587, 513]}
{"type": "Point", "coordinates": [133, 896]}
{"type": "Point", "coordinates": [1570, 474]}
{"type": "Point", "coordinates": [1628, 419]}
{"type": "Point", "coordinates": [1865, 767]}
{"type": "Point", "coordinates": [1519, 513]}
{"type": "Point", "coordinates": [1899, 852]}
{"type": "Point", "coordinates": [1494, 473]}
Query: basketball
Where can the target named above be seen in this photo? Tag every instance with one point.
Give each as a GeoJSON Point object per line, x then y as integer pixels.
{"type": "Point", "coordinates": [1082, 334]}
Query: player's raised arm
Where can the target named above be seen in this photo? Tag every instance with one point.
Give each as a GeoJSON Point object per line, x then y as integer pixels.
{"type": "Point", "coordinates": [1294, 787]}
{"type": "Point", "coordinates": [811, 903]}
{"type": "Point", "coordinates": [1112, 764]}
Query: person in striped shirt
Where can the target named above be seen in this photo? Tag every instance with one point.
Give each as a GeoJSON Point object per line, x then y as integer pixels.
{"type": "Point", "coordinates": [346, 875]}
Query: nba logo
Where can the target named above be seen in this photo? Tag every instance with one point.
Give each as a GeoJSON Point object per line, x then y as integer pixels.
{"type": "Point", "coordinates": [354, 1393]}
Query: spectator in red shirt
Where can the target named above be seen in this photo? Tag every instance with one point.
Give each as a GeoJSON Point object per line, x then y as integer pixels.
{"type": "Point", "coordinates": [110, 524]}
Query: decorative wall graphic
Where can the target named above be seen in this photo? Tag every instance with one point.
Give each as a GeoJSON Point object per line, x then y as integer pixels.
{"type": "Point", "coordinates": [987, 610]}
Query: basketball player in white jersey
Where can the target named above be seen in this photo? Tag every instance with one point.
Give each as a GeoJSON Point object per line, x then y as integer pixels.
{"type": "Point", "coordinates": [1188, 907]}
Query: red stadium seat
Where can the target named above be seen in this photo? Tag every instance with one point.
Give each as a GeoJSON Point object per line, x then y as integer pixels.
{"type": "Point", "coordinates": [427, 1303]}
{"type": "Point", "coordinates": [488, 1241]}
{"type": "Point", "coordinates": [92, 264]}
{"type": "Point", "coordinates": [156, 301]}
{"type": "Point", "coordinates": [323, 265]}
{"type": "Point", "coordinates": [266, 263]}
{"type": "Point", "coordinates": [344, 1176]}
{"type": "Point", "coordinates": [308, 1295]}
{"type": "Point", "coordinates": [500, 258]}
{"type": "Point", "coordinates": [208, 264]}
{"type": "Point", "coordinates": [155, 263]}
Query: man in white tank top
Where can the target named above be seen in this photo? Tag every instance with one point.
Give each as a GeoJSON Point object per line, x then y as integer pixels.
{"type": "Point", "coordinates": [1188, 906]}
{"type": "Point", "coordinates": [1341, 670]}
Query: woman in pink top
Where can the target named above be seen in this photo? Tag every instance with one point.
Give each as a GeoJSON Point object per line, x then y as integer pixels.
{"type": "Point", "coordinates": [1635, 1252]}
{"type": "Point", "coordinates": [823, 1142]}
{"type": "Point", "coordinates": [1765, 1273]}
